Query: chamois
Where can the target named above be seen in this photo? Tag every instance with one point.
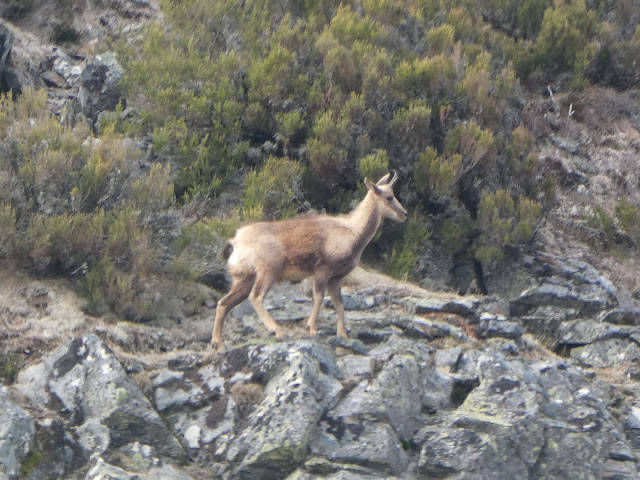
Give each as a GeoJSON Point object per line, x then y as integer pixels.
{"type": "Point", "coordinates": [321, 246]}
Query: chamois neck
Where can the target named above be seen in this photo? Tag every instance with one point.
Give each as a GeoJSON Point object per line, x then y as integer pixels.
{"type": "Point", "coordinates": [365, 219]}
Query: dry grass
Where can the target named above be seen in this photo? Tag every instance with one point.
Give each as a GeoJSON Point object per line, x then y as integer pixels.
{"type": "Point", "coordinates": [360, 278]}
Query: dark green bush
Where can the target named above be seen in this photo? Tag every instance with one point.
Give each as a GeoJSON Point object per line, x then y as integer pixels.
{"type": "Point", "coordinates": [504, 219]}
{"type": "Point", "coordinates": [274, 191]}
{"type": "Point", "coordinates": [628, 216]}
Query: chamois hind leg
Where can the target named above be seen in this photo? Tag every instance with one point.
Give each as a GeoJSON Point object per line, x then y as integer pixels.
{"type": "Point", "coordinates": [240, 289]}
{"type": "Point", "coordinates": [260, 288]}
{"type": "Point", "coordinates": [319, 286]}
{"type": "Point", "coordinates": [336, 297]}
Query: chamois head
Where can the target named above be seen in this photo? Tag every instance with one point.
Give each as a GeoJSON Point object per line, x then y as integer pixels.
{"type": "Point", "coordinates": [388, 204]}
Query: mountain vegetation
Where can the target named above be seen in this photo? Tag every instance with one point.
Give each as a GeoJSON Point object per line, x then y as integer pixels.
{"type": "Point", "coordinates": [286, 106]}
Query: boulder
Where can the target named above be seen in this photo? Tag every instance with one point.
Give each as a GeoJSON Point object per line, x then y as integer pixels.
{"type": "Point", "coordinates": [104, 471]}
{"type": "Point", "coordinates": [587, 299]}
{"type": "Point", "coordinates": [522, 419]}
{"type": "Point", "coordinates": [299, 388]}
{"type": "Point", "coordinates": [17, 433]}
{"type": "Point", "coordinates": [9, 77]}
{"type": "Point", "coordinates": [90, 390]}
{"type": "Point", "coordinates": [99, 88]}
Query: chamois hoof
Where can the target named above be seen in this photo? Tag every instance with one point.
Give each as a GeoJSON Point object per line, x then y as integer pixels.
{"type": "Point", "coordinates": [278, 333]}
{"type": "Point", "coordinates": [216, 347]}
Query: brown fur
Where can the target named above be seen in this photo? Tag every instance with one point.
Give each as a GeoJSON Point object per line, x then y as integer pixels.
{"type": "Point", "coordinates": [320, 246]}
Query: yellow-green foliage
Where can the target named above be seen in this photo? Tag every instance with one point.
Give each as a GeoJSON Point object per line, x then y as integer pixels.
{"type": "Point", "coordinates": [440, 39]}
{"type": "Point", "coordinates": [411, 125]}
{"type": "Point", "coordinates": [374, 165]}
{"type": "Point", "coordinates": [290, 123]}
{"type": "Point", "coordinates": [328, 146]}
{"type": "Point", "coordinates": [62, 243]}
{"type": "Point", "coordinates": [127, 243]}
{"type": "Point", "coordinates": [413, 234]}
{"type": "Point", "coordinates": [472, 142]}
{"type": "Point", "coordinates": [599, 219]}
{"type": "Point", "coordinates": [273, 190]}
{"type": "Point", "coordinates": [504, 220]}
{"type": "Point", "coordinates": [153, 192]}
{"type": "Point", "coordinates": [9, 366]}
{"type": "Point", "coordinates": [71, 203]}
{"type": "Point", "coordinates": [428, 77]}
{"type": "Point", "coordinates": [332, 91]}
{"type": "Point", "coordinates": [565, 42]}
{"type": "Point", "coordinates": [7, 229]}
{"type": "Point", "coordinates": [628, 215]}
{"type": "Point", "coordinates": [434, 174]}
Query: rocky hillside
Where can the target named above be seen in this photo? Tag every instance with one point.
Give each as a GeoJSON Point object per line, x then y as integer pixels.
{"type": "Point", "coordinates": [428, 386]}
{"type": "Point", "coordinates": [137, 135]}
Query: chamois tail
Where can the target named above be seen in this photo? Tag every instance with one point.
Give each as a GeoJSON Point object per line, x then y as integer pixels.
{"type": "Point", "coordinates": [227, 250]}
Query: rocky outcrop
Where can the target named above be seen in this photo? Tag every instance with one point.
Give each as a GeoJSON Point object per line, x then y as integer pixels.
{"type": "Point", "coordinates": [9, 77]}
{"type": "Point", "coordinates": [428, 386]}
{"type": "Point", "coordinates": [17, 432]}
{"type": "Point", "coordinates": [99, 89]}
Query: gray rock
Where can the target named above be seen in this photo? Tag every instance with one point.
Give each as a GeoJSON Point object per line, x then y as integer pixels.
{"type": "Point", "coordinates": [394, 396]}
{"type": "Point", "coordinates": [17, 433]}
{"type": "Point", "coordinates": [356, 366]}
{"type": "Point", "coordinates": [617, 470]}
{"type": "Point", "coordinates": [621, 316]}
{"type": "Point", "coordinates": [173, 390]}
{"type": "Point", "coordinates": [632, 426]}
{"type": "Point", "coordinates": [464, 306]}
{"type": "Point", "coordinates": [607, 353]}
{"type": "Point", "coordinates": [104, 471]}
{"type": "Point", "coordinates": [587, 298]}
{"type": "Point", "coordinates": [9, 78]}
{"type": "Point", "coordinates": [297, 393]}
{"type": "Point", "coordinates": [464, 450]}
{"type": "Point", "coordinates": [99, 89]}
{"type": "Point", "coordinates": [490, 326]}
{"type": "Point", "coordinates": [374, 445]}
{"type": "Point", "coordinates": [84, 382]}
{"type": "Point", "coordinates": [358, 302]}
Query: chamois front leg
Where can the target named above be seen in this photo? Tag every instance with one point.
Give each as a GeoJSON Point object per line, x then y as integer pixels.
{"type": "Point", "coordinates": [319, 286]}
{"type": "Point", "coordinates": [256, 297]}
{"type": "Point", "coordinates": [336, 297]}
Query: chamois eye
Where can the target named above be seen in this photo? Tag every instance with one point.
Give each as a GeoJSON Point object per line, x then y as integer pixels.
{"type": "Point", "coordinates": [389, 198]}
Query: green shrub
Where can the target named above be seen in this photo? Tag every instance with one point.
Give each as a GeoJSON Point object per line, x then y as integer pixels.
{"type": "Point", "coordinates": [7, 229]}
{"type": "Point", "coordinates": [504, 219]}
{"type": "Point", "coordinates": [274, 191]}
{"type": "Point", "coordinates": [454, 233]}
{"type": "Point", "coordinates": [290, 123]}
{"type": "Point", "coordinates": [153, 192]}
{"type": "Point", "coordinates": [374, 165]}
{"type": "Point", "coordinates": [127, 243]}
{"type": "Point", "coordinates": [440, 39]}
{"type": "Point", "coordinates": [434, 175]}
{"type": "Point", "coordinates": [62, 243]}
{"type": "Point", "coordinates": [599, 219]}
{"type": "Point", "coordinates": [473, 143]}
{"type": "Point", "coordinates": [411, 128]}
{"type": "Point", "coordinates": [405, 251]}
{"type": "Point", "coordinates": [9, 367]}
{"type": "Point", "coordinates": [328, 148]}
{"type": "Point", "coordinates": [628, 216]}
{"type": "Point", "coordinates": [109, 289]}
{"type": "Point", "coordinates": [566, 42]}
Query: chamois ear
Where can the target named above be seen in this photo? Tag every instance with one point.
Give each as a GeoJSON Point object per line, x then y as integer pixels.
{"type": "Point", "coordinates": [371, 186]}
